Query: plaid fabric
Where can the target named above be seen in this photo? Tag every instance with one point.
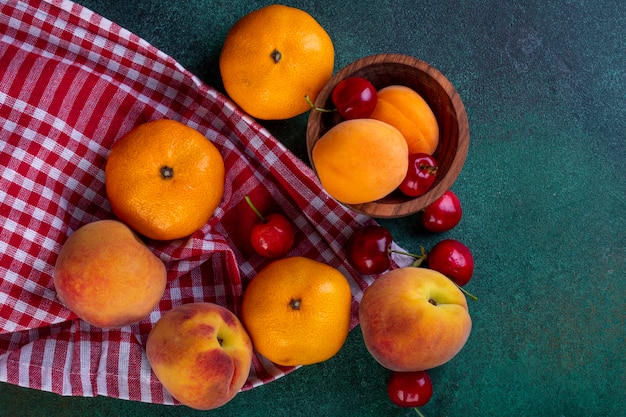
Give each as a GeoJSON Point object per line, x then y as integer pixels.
{"type": "Point", "coordinates": [71, 83]}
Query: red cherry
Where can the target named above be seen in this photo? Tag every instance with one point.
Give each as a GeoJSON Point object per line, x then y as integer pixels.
{"type": "Point", "coordinates": [410, 389]}
{"type": "Point", "coordinates": [443, 214]}
{"type": "Point", "coordinates": [420, 176]}
{"type": "Point", "coordinates": [354, 98]}
{"type": "Point", "coordinates": [453, 259]}
{"type": "Point", "coordinates": [368, 250]}
{"type": "Point", "coordinates": [272, 235]}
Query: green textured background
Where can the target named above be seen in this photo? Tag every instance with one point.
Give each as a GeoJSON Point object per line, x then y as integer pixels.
{"type": "Point", "coordinates": [543, 192]}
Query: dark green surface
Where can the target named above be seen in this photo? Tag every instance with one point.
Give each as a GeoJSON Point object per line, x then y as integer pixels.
{"type": "Point", "coordinates": [543, 192]}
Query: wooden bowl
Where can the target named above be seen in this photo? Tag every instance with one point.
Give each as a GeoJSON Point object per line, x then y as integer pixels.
{"type": "Point", "coordinates": [394, 69]}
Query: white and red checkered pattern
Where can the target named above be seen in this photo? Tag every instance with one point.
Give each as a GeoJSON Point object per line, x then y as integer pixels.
{"type": "Point", "coordinates": [71, 83]}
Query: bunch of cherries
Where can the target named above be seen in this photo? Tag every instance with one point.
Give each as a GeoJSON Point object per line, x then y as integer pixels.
{"type": "Point", "coordinates": [369, 249]}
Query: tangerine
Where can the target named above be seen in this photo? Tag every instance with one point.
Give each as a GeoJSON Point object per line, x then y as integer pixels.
{"type": "Point", "coordinates": [164, 179]}
{"type": "Point", "coordinates": [297, 311]}
{"type": "Point", "coordinates": [274, 57]}
{"type": "Point", "coordinates": [404, 109]}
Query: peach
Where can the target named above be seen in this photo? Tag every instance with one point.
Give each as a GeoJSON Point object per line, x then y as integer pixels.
{"type": "Point", "coordinates": [107, 276]}
{"type": "Point", "coordinates": [414, 319]}
{"type": "Point", "coordinates": [201, 353]}
{"type": "Point", "coordinates": [361, 160]}
{"type": "Point", "coordinates": [406, 110]}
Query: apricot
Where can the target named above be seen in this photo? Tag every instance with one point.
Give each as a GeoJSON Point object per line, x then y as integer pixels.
{"type": "Point", "coordinates": [107, 276]}
{"type": "Point", "coordinates": [408, 112]}
{"type": "Point", "coordinates": [361, 160]}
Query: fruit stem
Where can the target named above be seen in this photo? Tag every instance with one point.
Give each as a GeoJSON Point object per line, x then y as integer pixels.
{"type": "Point", "coordinates": [419, 413]}
{"type": "Point", "coordinates": [295, 303]}
{"type": "Point", "coordinates": [464, 291]}
{"type": "Point", "coordinates": [430, 168]}
{"type": "Point", "coordinates": [308, 100]}
{"type": "Point", "coordinates": [166, 172]}
{"type": "Point", "coordinates": [276, 56]}
{"type": "Point", "coordinates": [418, 258]}
{"type": "Point", "coordinates": [253, 207]}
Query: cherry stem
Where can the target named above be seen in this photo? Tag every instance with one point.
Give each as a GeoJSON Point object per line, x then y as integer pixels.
{"type": "Point", "coordinates": [464, 291]}
{"type": "Point", "coordinates": [430, 168]}
{"type": "Point", "coordinates": [308, 100]}
{"type": "Point", "coordinates": [418, 258]}
{"type": "Point", "coordinates": [253, 207]}
{"type": "Point", "coordinates": [419, 413]}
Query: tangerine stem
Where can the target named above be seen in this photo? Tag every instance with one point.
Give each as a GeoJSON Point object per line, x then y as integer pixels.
{"type": "Point", "coordinates": [166, 172]}
{"type": "Point", "coordinates": [295, 303]}
{"type": "Point", "coordinates": [276, 56]}
{"type": "Point", "coordinates": [253, 207]}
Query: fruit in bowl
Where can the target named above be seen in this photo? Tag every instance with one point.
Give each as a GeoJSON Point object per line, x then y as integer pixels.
{"type": "Point", "coordinates": [107, 276]}
{"type": "Point", "coordinates": [443, 100]}
{"type": "Point", "coordinates": [407, 111]}
{"type": "Point", "coordinates": [420, 176]}
{"type": "Point", "coordinates": [201, 353]}
{"type": "Point", "coordinates": [414, 319]}
{"type": "Point", "coordinates": [361, 160]}
{"type": "Point", "coordinates": [355, 98]}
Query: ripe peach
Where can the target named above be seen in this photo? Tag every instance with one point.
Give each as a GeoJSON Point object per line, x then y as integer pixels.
{"type": "Point", "coordinates": [201, 353]}
{"type": "Point", "coordinates": [361, 160]}
{"type": "Point", "coordinates": [414, 319]}
{"type": "Point", "coordinates": [406, 110]}
{"type": "Point", "coordinates": [107, 276]}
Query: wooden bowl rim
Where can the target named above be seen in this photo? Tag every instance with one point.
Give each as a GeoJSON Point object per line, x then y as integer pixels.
{"type": "Point", "coordinates": [392, 209]}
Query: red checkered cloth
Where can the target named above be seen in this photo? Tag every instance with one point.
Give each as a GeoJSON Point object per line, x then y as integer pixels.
{"type": "Point", "coordinates": [71, 83]}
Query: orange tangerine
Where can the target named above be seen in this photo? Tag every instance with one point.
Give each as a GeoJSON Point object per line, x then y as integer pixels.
{"type": "Point", "coordinates": [297, 311]}
{"type": "Point", "coordinates": [272, 58]}
{"type": "Point", "coordinates": [164, 179]}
